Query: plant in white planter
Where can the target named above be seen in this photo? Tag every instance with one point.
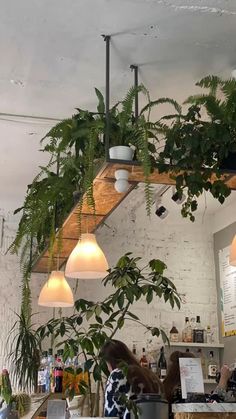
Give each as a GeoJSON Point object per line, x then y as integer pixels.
{"type": "Point", "coordinates": [94, 323]}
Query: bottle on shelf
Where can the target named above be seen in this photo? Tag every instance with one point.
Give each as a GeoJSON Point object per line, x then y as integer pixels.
{"type": "Point", "coordinates": [51, 364]}
{"type": "Point", "coordinates": [152, 364]}
{"type": "Point", "coordinates": [162, 364]}
{"type": "Point", "coordinates": [208, 334]}
{"type": "Point", "coordinates": [203, 363]}
{"type": "Point", "coordinates": [187, 331]}
{"type": "Point", "coordinates": [212, 366]}
{"type": "Point", "coordinates": [198, 332]}
{"type": "Point", "coordinates": [42, 373]}
{"type": "Point", "coordinates": [58, 374]}
{"type": "Point", "coordinates": [134, 350]}
{"type": "Point", "coordinates": [174, 333]}
{"type": "Point", "coordinates": [143, 360]}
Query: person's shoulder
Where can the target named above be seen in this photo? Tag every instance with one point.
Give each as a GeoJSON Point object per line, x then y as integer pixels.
{"type": "Point", "coordinates": [117, 375]}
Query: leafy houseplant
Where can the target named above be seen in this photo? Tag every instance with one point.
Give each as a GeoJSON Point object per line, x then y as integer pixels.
{"type": "Point", "coordinates": [25, 353]}
{"type": "Point", "coordinates": [198, 147]}
{"type": "Point", "coordinates": [86, 331]}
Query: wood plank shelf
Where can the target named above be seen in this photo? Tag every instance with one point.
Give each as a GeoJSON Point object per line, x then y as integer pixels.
{"type": "Point", "coordinates": [106, 201]}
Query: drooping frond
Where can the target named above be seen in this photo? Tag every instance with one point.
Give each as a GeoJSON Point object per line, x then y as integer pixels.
{"type": "Point", "coordinates": [162, 101]}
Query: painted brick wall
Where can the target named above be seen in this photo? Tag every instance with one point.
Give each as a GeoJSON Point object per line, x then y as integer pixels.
{"type": "Point", "coordinates": [10, 291]}
{"type": "Point", "coordinates": [186, 248]}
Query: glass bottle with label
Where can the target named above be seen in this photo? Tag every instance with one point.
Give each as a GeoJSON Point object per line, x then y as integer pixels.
{"type": "Point", "coordinates": [208, 334]}
{"type": "Point", "coordinates": [134, 350]}
{"type": "Point", "coordinates": [174, 333]}
{"type": "Point", "coordinates": [143, 360]}
{"type": "Point", "coordinates": [212, 366]}
{"type": "Point", "coordinates": [198, 332]}
{"type": "Point", "coordinates": [187, 331]}
{"type": "Point", "coordinates": [162, 364]}
{"type": "Point", "coordinates": [42, 373]}
{"type": "Point", "coordinates": [58, 374]}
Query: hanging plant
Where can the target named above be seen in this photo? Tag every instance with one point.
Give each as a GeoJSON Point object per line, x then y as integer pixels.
{"type": "Point", "coordinates": [198, 148]}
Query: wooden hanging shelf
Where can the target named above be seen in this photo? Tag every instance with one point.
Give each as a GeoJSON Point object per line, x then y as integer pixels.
{"type": "Point", "coordinates": [107, 200]}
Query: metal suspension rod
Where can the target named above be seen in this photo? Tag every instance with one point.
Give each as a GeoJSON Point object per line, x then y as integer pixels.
{"type": "Point", "coordinates": [135, 69]}
{"type": "Point", "coordinates": [107, 39]}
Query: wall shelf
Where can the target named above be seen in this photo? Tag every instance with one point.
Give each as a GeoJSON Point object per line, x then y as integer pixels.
{"type": "Point", "coordinates": [106, 201]}
{"type": "Point", "coordinates": [197, 345]}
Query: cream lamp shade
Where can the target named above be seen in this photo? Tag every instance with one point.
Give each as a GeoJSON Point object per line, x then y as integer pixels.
{"type": "Point", "coordinates": [232, 255]}
{"type": "Point", "coordinates": [87, 260]}
{"type": "Point", "coordinates": [56, 292]}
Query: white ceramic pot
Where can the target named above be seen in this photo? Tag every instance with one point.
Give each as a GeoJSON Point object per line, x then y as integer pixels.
{"type": "Point", "coordinates": [121, 152]}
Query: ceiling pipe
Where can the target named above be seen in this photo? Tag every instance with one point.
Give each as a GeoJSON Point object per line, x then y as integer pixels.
{"type": "Point", "coordinates": [107, 40]}
{"type": "Point", "coordinates": [134, 68]}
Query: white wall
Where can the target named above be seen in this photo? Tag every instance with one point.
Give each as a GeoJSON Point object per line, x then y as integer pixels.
{"type": "Point", "coordinates": [186, 248]}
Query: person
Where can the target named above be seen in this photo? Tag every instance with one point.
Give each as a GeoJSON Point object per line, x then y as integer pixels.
{"type": "Point", "coordinates": [220, 393]}
{"type": "Point", "coordinates": [122, 387]}
{"type": "Point", "coordinates": [171, 383]}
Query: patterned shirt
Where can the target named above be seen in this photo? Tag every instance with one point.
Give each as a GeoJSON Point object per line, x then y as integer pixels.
{"type": "Point", "coordinates": [116, 386]}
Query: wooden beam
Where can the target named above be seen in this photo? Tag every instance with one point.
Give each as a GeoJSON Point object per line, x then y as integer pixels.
{"type": "Point", "coordinates": [107, 200]}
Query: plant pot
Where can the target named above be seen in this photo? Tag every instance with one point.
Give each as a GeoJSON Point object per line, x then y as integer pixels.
{"type": "Point", "coordinates": [229, 163]}
{"type": "Point", "coordinates": [121, 152]}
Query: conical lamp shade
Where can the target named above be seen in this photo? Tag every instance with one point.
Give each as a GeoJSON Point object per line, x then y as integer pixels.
{"type": "Point", "coordinates": [56, 292]}
{"type": "Point", "coordinates": [232, 255]}
{"type": "Point", "coordinates": [87, 260]}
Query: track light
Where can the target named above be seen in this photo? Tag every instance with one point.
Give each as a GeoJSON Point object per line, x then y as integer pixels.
{"type": "Point", "coordinates": [121, 183]}
{"type": "Point", "coordinates": [177, 198]}
{"type": "Point", "coordinates": [162, 212]}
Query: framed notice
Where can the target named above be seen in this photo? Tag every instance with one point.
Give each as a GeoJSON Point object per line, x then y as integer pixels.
{"type": "Point", "coordinates": [191, 376]}
{"type": "Point", "coordinates": [227, 294]}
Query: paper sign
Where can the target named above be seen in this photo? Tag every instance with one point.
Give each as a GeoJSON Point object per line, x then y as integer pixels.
{"type": "Point", "coordinates": [228, 293]}
{"type": "Point", "coordinates": [56, 409]}
{"type": "Point", "coordinates": [191, 376]}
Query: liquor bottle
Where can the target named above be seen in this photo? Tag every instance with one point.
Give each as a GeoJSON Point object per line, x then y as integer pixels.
{"type": "Point", "coordinates": [152, 364]}
{"type": "Point", "coordinates": [208, 334]}
{"type": "Point", "coordinates": [143, 360]}
{"type": "Point", "coordinates": [58, 375]}
{"type": "Point", "coordinates": [174, 333]}
{"type": "Point", "coordinates": [187, 332]}
{"type": "Point", "coordinates": [212, 366]}
{"type": "Point", "coordinates": [51, 364]}
{"type": "Point", "coordinates": [41, 374]}
{"type": "Point", "coordinates": [134, 350]}
{"type": "Point", "coordinates": [203, 362]}
{"type": "Point", "coordinates": [162, 364]}
{"type": "Point", "coordinates": [198, 332]}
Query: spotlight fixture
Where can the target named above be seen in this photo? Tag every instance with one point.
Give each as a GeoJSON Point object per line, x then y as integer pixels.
{"type": "Point", "coordinates": [177, 199]}
{"type": "Point", "coordinates": [162, 212]}
{"type": "Point", "coordinates": [121, 183]}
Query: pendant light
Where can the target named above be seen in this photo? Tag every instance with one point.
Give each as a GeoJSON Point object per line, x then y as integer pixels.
{"type": "Point", "coordinates": [232, 255]}
{"type": "Point", "coordinates": [87, 260]}
{"type": "Point", "coordinates": [56, 292]}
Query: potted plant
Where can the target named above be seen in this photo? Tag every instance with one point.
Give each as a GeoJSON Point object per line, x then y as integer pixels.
{"type": "Point", "coordinates": [197, 148]}
{"type": "Point", "coordinates": [95, 322]}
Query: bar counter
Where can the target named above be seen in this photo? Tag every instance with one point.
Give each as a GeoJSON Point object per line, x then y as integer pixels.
{"type": "Point", "coordinates": [204, 410]}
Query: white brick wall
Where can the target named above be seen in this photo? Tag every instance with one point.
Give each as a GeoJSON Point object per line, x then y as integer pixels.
{"type": "Point", "coordinates": [187, 249]}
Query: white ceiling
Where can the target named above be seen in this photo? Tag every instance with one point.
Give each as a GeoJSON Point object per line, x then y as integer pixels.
{"type": "Point", "coordinates": [53, 56]}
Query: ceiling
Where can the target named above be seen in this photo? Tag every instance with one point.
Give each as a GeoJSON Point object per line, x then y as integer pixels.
{"type": "Point", "coordinates": [53, 57]}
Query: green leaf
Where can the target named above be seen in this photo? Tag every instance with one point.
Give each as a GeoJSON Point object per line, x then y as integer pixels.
{"type": "Point", "coordinates": [62, 329]}
{"type": "Point", "coordinates": [101, 104]}
{"type": "Point", "coordinates": [149, 296]}
{"type": "Point", "coordinates": [121, 300]}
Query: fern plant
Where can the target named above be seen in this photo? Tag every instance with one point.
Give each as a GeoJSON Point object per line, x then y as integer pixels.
{"type": "Point", "coordinates": [198, 146]}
